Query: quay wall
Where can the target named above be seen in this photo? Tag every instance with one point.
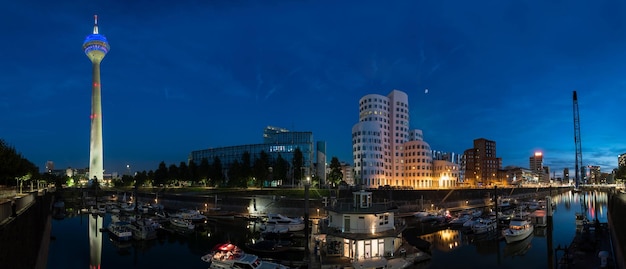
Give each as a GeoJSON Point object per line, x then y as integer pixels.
{"type": "Point", "coordinates": [21, 237]}
{"type": "Point", "coordinates": [262, 201]}
{"type": "Point", "coordinates": [617, 220]}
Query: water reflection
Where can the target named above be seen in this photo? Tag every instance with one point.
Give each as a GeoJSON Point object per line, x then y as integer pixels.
{"type": "Point", "coordinates": [95, 240]}
{"type": "Point", "coordinates": [519, 248]}
{"type": "Point", "coordinates": [455, 248]}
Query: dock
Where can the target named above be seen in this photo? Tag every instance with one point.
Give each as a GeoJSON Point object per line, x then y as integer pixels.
{"type": "Point", "coordinates": [590, 248]}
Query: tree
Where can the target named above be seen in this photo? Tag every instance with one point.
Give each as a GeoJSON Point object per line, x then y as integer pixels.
{"type": "Point", "coordinates": [203, 171]}
{"type": "Point", "coordinates": [183, 172]}
{"type": "Point", "coordinates": [172, 174]}
{"type": "Point", "coordinates": [193, 172]}
{"type": "Point", "coordinates": [217, 174]}
{"type": "Point", "coordinates": [260, 169]}
{"type": "Point", "coordinates": [336, 175]}
{"type": "Point", "coordinates": [235, 176]}
{"type": "Point", "coordinates": [280, 169]}
{"type": "Point", "coordinates": [160, 175]}
{"type": "Point", "coordinates": [246, 166]}
{"type": "Point", "coordinates": [13, 165]}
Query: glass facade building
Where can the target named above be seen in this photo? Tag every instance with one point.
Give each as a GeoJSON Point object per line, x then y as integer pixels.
{"type": "Point", "coordinates": [276, 141]}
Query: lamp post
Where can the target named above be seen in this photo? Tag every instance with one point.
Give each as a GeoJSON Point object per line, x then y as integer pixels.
{"type": "Point", "coordinates": [307, 232]}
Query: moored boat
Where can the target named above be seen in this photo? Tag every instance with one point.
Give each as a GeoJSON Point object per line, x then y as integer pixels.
{"type": "Point", "coordinates": [519, 229]}
{"type": "Point", "coordinates": [278, 222]}
{"type": "Point", "coordinates": [484, 225]}
{"type": "Point", "coordinates": [144, 229]}
{"type": "Point", "coordinates": [228, 256]}
{"type": "Point", "coordinates": [120, 230]}
{"type": "Point", "coordinates": [182, 223]}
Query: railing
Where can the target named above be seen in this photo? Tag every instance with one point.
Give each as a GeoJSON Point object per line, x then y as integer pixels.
{"type": "Point", "coordinates": [21, 202]}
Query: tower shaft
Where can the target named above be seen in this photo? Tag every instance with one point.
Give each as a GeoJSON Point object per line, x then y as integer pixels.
{"type": "Point", "coordinates": [96, 162]}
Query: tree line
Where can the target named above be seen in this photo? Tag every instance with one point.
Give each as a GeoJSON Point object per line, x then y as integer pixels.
{"type": "Point", "coordinates": [249, 171]}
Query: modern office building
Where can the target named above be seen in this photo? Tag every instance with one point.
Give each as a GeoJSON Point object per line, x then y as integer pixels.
{"type": "Point", "coordinates": [276, 141]}
{"type": "Point", "coordinates": [320, 162]}
{"type": "Point", "coordinates": [96, 47]}
{"type": "Point", "coordinates": [621, 160]}
{"type": "Point", "coordinates": [566, 178]}
{"type": "Point", "coordinates": [536, 162]}
{"type": "Point", "coordinates": [386, 152]}
{"type": "Point", "coordinates": [481, 164]}
{"type": "Point", "coordinates": [595, 174]}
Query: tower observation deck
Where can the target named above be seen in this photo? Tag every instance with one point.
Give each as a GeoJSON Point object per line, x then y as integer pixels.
{"type": "Point", "coordinates": [96, 47]}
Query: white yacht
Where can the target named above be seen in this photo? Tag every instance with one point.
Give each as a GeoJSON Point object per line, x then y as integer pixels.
{"type": "Point", "coordinates": [278, 222]}
{"type": "Point", "coordinates": [519, 229]}
{"type": "Point", "coordinates": [229, 256]}
{"type": "Point", "coordinates": [182, 223]}
{"type": "Point", "coordinates": [484, 225]}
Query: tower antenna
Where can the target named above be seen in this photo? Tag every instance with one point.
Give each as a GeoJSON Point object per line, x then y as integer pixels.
{"type": "Point", "coordinates": [95, 24]}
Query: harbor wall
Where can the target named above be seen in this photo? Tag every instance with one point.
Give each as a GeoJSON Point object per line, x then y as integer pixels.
{"type": "Point", "coordinates": [21, 237]}
{"type": "Point", "coordinates": [617, 220]}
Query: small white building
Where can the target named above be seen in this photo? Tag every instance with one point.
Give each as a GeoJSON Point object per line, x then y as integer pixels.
{"type": "Point", "coordinates": [363, 230]}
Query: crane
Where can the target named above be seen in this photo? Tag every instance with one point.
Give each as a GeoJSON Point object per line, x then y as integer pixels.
{"type": "Point", "coordinates": [579, 152]}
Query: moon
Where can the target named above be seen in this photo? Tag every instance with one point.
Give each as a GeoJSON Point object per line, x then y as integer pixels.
{"type": "Point", "coordinates": [426, 91]}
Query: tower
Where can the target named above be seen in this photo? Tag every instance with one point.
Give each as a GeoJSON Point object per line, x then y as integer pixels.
{"type": "Point", "coordinates": [96, 47]}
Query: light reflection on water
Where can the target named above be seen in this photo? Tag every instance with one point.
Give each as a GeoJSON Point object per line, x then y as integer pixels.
{"type": "Point", "coordinates": [73, 247]}
{"type": "Point", "coordinates": [454, 249]}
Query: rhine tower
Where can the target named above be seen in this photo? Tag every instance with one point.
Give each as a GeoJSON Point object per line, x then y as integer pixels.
{"type": "Point", "coordinates": [96, 47]}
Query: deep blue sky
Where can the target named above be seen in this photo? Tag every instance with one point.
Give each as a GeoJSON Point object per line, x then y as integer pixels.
{"type": "Point", "coordinates": [183, 76]}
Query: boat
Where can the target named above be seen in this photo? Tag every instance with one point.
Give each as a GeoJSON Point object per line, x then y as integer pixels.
{"type": "Point", "coordinates": [483, 225]}
{"type": "Point", "coordinates": [191, 215]}
{"type": "Point", "coordinates": [460, 220]}
{"type": "Point", "coordinates": [229, 256]}
{"type": "Point", "coordinates": [182, 223]}
{"type": "Point", "coordinates": [519, 229]}
{"type": "Point", "coordinates": [144, 229]}
{"type": "Point", "coordinates": [120, 230]}
{"type": "Point", "coordinates": [278, 222]}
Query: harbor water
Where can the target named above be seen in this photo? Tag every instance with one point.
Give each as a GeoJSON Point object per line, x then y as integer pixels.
{"type": "Point", "coordinates": [79, 241]}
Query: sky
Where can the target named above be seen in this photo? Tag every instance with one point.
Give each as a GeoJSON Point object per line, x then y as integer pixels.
{"type": "Point", "coordinates": [189, 75]}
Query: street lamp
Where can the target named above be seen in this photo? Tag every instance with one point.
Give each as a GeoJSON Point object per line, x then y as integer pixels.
{"type": "Point", "coordinates": [307, 232]}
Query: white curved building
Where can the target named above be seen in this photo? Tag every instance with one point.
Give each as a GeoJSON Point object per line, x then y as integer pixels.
{"type": "Point", "coordinates": [378, 137]}
{"type": "Point", "coordinates": [387, 152]}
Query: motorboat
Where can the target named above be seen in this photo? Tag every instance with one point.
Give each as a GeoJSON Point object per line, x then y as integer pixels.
{"type": "Point", "coordinates": [519, 229]}
{"type": "Point", "coordinates": [229, 256]}
{"type": "Point", "coordinates": [280, 223]}
{"type": "Point", "coordinates": [460, 220]}
{"type": "Point", "coordinates": [191, 215]}
{"type": "Point", "coordinates": [484, 225]}
{"type": "Point", "coordinates": [144, 229]}
{"type": "Point", "coordinates": [182, 223]}
{"type": "Point", "coordinates": [120, 230]}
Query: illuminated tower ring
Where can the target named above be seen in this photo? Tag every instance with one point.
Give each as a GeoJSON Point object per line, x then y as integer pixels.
{"type": "Point", "coordinates": [96, 47]}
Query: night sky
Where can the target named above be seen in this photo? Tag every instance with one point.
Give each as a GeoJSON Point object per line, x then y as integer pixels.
{"type": "Point", "coordinates": [189, 75]}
